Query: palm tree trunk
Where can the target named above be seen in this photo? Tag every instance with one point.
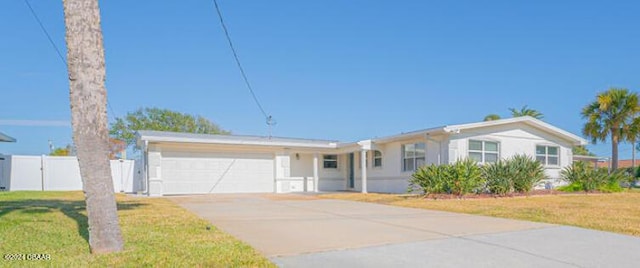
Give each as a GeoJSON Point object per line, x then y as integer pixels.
{"type": "Point", "coordinates": [86, 67]}
{"type": "Point", "coordinates": [614, 150]}
{"type": "Point", "coordinates": [633, 163]}
{"type": "Point", "coordinates": [633, 155]}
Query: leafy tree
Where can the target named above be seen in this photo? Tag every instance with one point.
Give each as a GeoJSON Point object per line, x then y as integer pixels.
{"type": "Point", "coordinates": [86, 73]}
{"type": "Point", "coordinates": [526, 111]}
{"type": "Point", "coordinates": [581, 150]}
{"type": "Point", "coordinates": [60, 152]}
{"type": "Point", "coordinates": [610, 115]}
{"type": "Point", "coordinates": [160, 120]}
{"type": "Point", "coordinates": [491, 117]}
{"type": "Point", "coordinates": [68, 150]}
{"type": "Point", "coordinates": [116, 147]}
{"type": "Point", "coordinates": [630, 133]}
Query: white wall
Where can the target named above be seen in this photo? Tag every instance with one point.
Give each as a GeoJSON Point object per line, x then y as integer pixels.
{"type": "Point", "coordinates": [514, 139]}
{"type": "Point", "coordinates": [57, 173]}
{"type": "Point", "coordinates": [300, 171]}
{"type": "Point", "coordinates": [390, 178]}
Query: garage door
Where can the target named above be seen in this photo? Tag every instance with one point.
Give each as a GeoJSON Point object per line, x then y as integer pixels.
{"type": "Point", "coordinates": [200, 173]}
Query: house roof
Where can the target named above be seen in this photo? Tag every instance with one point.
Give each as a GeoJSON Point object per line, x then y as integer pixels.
{"type": "Point", "coordinates": [6, 138]}
{"type": "Point", "coordinates": [163, 136]}
{"type": "Point", "coordinates": [539, 124]}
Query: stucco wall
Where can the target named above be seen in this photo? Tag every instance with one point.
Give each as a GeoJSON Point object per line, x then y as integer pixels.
{"type": "Point", "coordinates": [514, 139]}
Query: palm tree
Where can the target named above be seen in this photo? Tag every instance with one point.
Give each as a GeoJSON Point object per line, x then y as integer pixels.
{"type": "Point", "coordinates": [491, 117]}
{"type": "Point", "coordinates": [85, 61]}
{"type": "Point", "coordinates": [630, 133]}
{"type": "Point", "coordinates": [526, 111]}
{"type": "Point", "coordinates": [611, 114]}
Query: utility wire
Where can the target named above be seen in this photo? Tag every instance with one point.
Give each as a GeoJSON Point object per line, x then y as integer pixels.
{"type": "Point", "coordinates": [44, 30]}
{"type": "Point", "coordinates": [244, 75]}
{"type": "Point", "coordinates": [53, 44]}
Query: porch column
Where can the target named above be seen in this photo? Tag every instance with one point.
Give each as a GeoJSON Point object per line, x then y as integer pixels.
{"type": "Point", "coordinates": [315, 172]}
{"type": "Point", "coordinates": [363, 161]}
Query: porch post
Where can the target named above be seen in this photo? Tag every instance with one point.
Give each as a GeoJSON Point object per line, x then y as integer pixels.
{"type": "Point", "coordinates": [363, 161]}
{"type": "Point", "coordinates": [315, 172]}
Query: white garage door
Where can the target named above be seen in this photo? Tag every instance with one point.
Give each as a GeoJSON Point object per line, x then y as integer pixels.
{"type": "Point", "coordinates": [200, 173]}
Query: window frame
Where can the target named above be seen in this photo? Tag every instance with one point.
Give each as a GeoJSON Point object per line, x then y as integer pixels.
{"type": "Point", "coordinates": [415, 159]}
{"type": "Point", "coordinates": [374, 158]}
{"type": "Point", "coordinates": [546, 155]}
{"type": "Point", "coordinates": [326, 160]}
{"type": "Point", "coordinates": [483, 151]}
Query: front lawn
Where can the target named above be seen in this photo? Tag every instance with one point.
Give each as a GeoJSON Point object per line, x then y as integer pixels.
{"type": "Point", "coordinates": [616, 212]}
{"type": "Point", "coordinates": [156, 232]}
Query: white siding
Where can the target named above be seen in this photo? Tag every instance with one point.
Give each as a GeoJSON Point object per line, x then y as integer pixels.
{"type": "Point", "coordinates": [333, 179]}
{"type": "Point", "coordinates": [390, 178]}
{"type": "Point", "coordinates": [514, 139]}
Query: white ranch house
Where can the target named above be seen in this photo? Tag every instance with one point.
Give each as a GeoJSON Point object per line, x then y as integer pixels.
{"type": "Point", "coordinates": [181, 163]}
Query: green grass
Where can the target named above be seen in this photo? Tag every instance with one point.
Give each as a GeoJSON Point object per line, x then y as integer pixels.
{"type": "Point", "coordinates": [614, 212]}
{"type": "Point", "coordinates": [156, 232]}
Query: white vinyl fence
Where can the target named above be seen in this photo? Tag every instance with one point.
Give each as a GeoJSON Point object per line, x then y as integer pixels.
{"type": "Point", "coordinates": [59, 173]}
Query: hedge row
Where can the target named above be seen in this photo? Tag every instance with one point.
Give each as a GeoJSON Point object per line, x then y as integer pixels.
{"type": "Point", "coordinates": [519, 173]}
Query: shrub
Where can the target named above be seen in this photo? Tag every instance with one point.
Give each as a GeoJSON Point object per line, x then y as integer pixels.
{"type": "Point", "coordinates": [572, 187]}
{"type": "Point", "coordinates": [582, 177]}
{"type": "Point", "coordinates": [430, 179]}
{"type": "Point", "coordinates": [527, 172]}
{"type": "Point", "coordinates": [465, 177]}
{"type": "Point", "coordinates": [498, 178]}
{"type": "Point", "coordinates": [612, 182]}
{"type": "Point", "coordinates": [576, 173]}
{"type": "Point", "coordinates": [459, 178]}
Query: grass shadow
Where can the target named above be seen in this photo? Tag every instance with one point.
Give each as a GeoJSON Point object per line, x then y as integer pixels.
{"type": "Point", "coordinates": [75, 210]}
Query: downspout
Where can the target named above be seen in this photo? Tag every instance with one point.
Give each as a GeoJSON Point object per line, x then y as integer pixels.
{"type": "Point", "coordinates": [146, 166]}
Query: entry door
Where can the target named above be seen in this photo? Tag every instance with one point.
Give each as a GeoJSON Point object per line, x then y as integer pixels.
{"type": "Point", "coordinates": [351, 174]}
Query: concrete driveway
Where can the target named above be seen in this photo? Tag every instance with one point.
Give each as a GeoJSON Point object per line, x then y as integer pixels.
{"type": "Point", "coordinates": [304, 231]}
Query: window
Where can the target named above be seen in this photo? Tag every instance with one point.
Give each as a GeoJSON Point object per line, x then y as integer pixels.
{"type": "Point", "coordinates": [547, 155]}
{"type": "Point", "coordinates": [330, 161]}
{"type": "Point", "coordinates": [377, 158]}
{"type": "Point", "coordinates": [483, 151]}
{"type": "Point", "coordinates": [413, 156]}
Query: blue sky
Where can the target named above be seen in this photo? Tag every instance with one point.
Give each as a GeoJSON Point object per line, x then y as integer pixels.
{"type": "Point", "coordinates": [343, 70]}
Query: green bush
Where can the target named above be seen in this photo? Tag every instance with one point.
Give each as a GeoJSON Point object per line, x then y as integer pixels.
{"type": "Point", "coordinates": [576, 173]}
{"type": "Point", "coordinates": [459, 178]}
{"type": "Point", "coordinates": [582, 177]}
{"type": "Point", "coordinates": [572, 187]}
{"type": "Point", "coordinates": [465, 177]}
{"type": "Point", "coordinates": [498, 178]}
{"type": "Point", "coordinates": [612, 182]}
{"type": "Point", "coordinates": [519, 173]}
{"type": "Point", "coordinates": [429, 179]}
{"type": "Point", "coordinates": [527, 172]}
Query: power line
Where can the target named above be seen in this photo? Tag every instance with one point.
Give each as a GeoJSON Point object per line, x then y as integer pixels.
{"type": "Point", "coordinates": [53, 44]}
{"type": "Point", "coordinates": [44, 30]}
{"type": "Point", "coordinates": [242, 72]}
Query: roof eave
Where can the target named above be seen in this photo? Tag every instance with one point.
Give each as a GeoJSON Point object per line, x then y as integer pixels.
{"type": "Point", "coordinates": [237, 142]}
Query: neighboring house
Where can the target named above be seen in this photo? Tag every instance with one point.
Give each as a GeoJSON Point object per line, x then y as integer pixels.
{"type": "Point", "coordinates": [623, 163]}
{"type": "Point", "coordinates": [6, 138]}
{"type": "Point", "coordinates": [595, 161]}
{"type": "Point", "coordinates": [182, 163]}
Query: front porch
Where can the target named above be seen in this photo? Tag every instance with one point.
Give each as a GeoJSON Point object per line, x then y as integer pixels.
{"type": "Point", "coordinates": [304, 171]}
